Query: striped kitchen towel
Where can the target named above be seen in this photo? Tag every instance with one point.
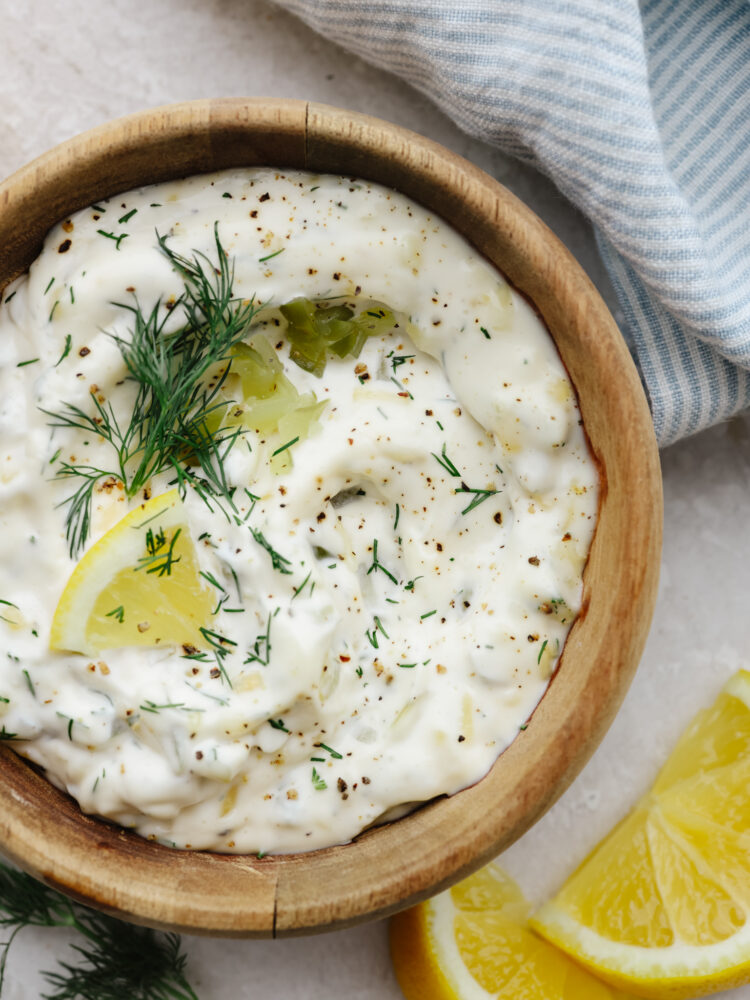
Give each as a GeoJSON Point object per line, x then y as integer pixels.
{"type": "Point", "coordinates": [641, 115]}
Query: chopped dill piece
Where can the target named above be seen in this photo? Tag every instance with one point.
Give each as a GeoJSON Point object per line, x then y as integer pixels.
{"type": "Point", "coordinates": [314, 188]}
{"type": "Point", "coordinates": [379, 625]}
{"type": "Point", "coordinates": [212, 580]}
{"type": "Point", "coordinates": [376, 564]}
{"type": "Point", "coordinates": [358, 671]}
{"type": "Point", "coordinates": [524, 726]}
{"type": "Point", "coordinates": [8, 604]}
{"type": "Point", "coordinates": [6, 701]}
{"type": "Point", "coordinates": [479, 497]}
{"type": "Point", "coordinates": [334, 753]}
{"type": "Point", "coordinates": [318, 783]}
{"type": "Point", "coordinates": [398, 514]}
{"type": "Point", "coordinates": [117, 613]}
{"type": "Point", "coordinates": [55, 456]}
{"type": "Point", "coordinates": [51, 283]}
{"type": "Point", "coordinates": [391, 600]}
{"type": "Point", "coordinates": [236, 583]}
{"type": "Point", "coordinates": [298, 590]}
{"type": "Point", "coordinates": [541, 651]}
{"type": "Point", "coordinates": [72, 296]}
{"type": "Point", "coordinates": [31, 361]}
{"type": "Point", "coordinates": [499, 470]}
{"type": "Point", "coordinates": [70, 730]}
{"type": "Point", "coordinates": [10, 296]}
{"type": "Point", "coordinates": [261, 651]}
{"type": "Point", "coordinates": [270, 256]}
{"type": "Point", "coordinates": [439, 425]}
{"type": "Point", "coordinates": [29, 683]}
{"type": "Point", "coordinates": [7, 735]}
{"type": "Point", "coordinates": [277, 561]}
{"type": "Point", "coordinates": [214, 638]}
{"type": "Point", "coordinates": [158, 561]}
{"type": "Point", "coordinates": [372, 638]}
{"type": "Point", "coordinates": [98, 208]}
{"type": "Point", "coordinates": [151, 706]}
{"type": "Point", "coordinates": [410, 584]}
{"type": "Point", "coordinates": [401, 387]}
{"type": "Point", "coordinates": [285, 446]}
{"type": "Point", "coordinates": [446, 463]}
{"type": "Point", "coordinates": [428, 614]}
{"type": "Point", "coordinates": [485, 332]}
{"type": "Point", "coordinates": [278, 724]}
{"type": "Point", "coordinates": [127, 217]}
{"type": "Point", "coordinates": [382, 414]}
{"type": "Point", "coordinates": [53, 309]}
{"type": "Point", "coordinates": [218, 644]}
{"type": "Point", "coordinates": [111, 236]}
{"type": "Point", "coordinates": [406, 666]}
{"type": "Point", "coordinates": [226, 195]}
{"type": "Point", "coordinates": [155, 204]}
{"type": "Point", "coordinates": [400, 359]}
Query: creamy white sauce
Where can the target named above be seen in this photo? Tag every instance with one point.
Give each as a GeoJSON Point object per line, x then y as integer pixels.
{"type": "Point", "coordinates": [471, 607]}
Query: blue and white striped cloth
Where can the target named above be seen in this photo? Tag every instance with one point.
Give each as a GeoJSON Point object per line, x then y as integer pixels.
{"type": "Point", "coordinates": [641, 115]}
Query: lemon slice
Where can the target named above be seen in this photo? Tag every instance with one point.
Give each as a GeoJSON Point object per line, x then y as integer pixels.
{"type": "Point", "coordinates": [139, 585]}
{"type": "Point", "coordinates": [662, 906]}
{"type": "Point", "coordinates": [473, 943]}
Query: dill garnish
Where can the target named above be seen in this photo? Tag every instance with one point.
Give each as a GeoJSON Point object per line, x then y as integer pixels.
{"type": "Point", "coordinates": [261, 651]}
{"type": "Point", "coordinates": [115, 960]}
{"type": "Point", "coordinates": [66, 349]}
{"type": "Point", "coordinates": [479, 496]}
{"type": "Point", "coordinates": [277, 561]}
{"type": "Point", "coordinates": [111, 236]}
{"type": "Point", "coordinates": [376, 564]}
{"type": "Point", "coordinates": [318, 783]}
{"type": "Point", "coordinates": [168, 425]}
{"type": "Point", "coordinates": [446, 463]}
{"type": "Point", "coordinates": [157, 560]}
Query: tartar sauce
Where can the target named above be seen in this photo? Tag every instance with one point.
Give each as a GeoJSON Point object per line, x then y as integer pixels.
{"type": "Point", "coordinates": [398, 594]}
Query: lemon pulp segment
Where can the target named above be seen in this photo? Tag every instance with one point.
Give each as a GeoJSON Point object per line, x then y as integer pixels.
{"type": "Point", "coordinates": [662, 905]}
{"type": "Point", "coordinates": [139, 585]}
{"type": "Point", "coordinates": [473, 942]}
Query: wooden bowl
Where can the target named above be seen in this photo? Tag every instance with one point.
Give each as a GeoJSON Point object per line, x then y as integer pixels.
{"type": "Point", "coordinates": [400, 863]}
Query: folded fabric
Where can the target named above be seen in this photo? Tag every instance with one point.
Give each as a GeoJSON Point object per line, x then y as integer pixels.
{"type": "Point", "coordinates": [641, 115]}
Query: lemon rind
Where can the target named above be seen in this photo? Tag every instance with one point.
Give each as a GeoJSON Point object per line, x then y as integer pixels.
{"type": "Point", "coordinates": [676, 965]}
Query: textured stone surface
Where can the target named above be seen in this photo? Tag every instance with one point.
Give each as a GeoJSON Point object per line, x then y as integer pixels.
{"type": "Point", "coordinates": [69, 66]}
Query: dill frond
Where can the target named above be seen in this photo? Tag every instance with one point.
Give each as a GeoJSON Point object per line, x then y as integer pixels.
{"type": "Point", "coordinates": [117, 960]}
{"type": "Point", "coordinates": [178, 394]}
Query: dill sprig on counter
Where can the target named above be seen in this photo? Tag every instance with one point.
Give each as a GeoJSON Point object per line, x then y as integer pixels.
{"type": "Point", "coordinates": [177, 391]}
{"type": "Point", "coordinates": [114, 959]}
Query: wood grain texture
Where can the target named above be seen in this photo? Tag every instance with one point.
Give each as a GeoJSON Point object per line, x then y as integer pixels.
{"type": "Point", "coordinates": [397, 864]}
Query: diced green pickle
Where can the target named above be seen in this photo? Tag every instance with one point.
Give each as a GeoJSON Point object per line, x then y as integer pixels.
{"type": "Point", "coordinates": [263, 398]}
{"type": "Point", "coordinates": [313, 330]}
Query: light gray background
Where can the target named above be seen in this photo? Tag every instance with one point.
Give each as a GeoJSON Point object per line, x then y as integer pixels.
{"type": "Point", "coordinates": [67, 66]}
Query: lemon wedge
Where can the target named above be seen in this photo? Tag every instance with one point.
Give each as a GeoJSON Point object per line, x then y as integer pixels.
{"type": "Point", "coordinates": [139, 585]}
{"type": "Point", "coordinates": [662, 905]}
{"type": "Point", "coordinates": [472, 942]}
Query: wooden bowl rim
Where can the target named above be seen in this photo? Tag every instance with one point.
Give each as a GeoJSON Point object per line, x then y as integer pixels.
{"type": "Point", "coordinates": [400, 863]}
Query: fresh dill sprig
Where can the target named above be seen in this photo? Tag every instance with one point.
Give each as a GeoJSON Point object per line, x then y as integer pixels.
{"type": "Point", "coordinates": [177, 394]}
{"type": "Point", "coordinates": [115, 960]}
